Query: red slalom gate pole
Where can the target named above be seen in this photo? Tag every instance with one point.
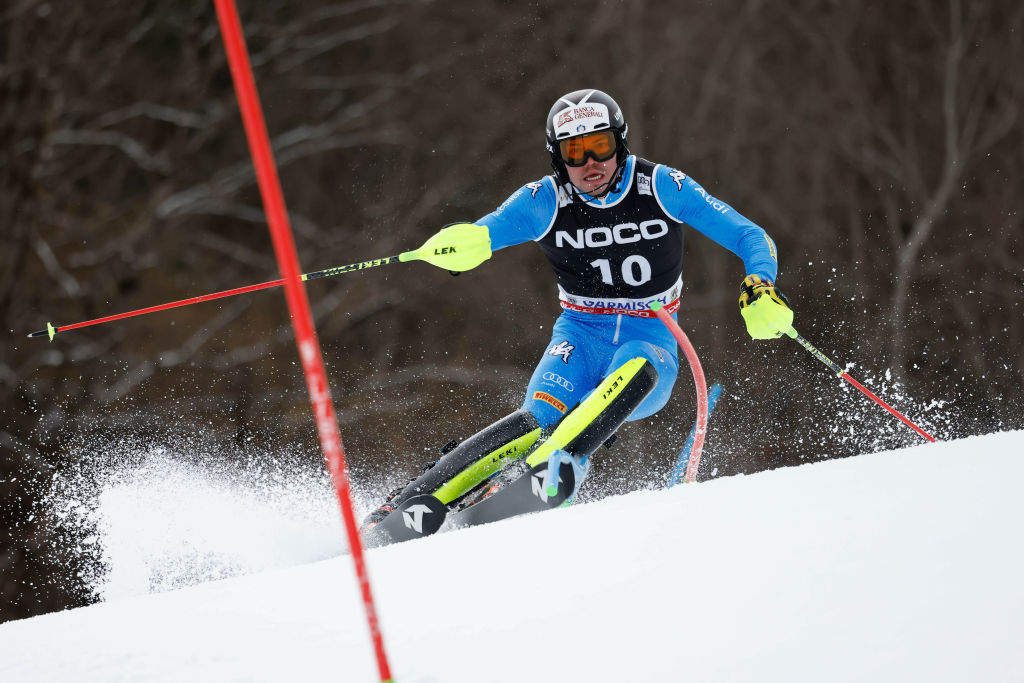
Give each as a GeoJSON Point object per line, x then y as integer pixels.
{"type": "Point", "coordinates": [702, 389]}
{"type": "Point", "coordinates": [298, 303]}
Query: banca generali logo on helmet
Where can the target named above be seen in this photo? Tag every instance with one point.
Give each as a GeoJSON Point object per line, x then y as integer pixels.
{"type": "Point", "coordinates": [581, 118]}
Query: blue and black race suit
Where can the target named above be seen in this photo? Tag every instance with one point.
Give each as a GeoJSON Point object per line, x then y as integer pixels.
{"type": "Point", "coordinates": [612, 257]}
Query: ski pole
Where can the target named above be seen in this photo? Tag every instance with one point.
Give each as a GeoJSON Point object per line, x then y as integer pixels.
{"type": "Point", "coordinates": [52, 329]}
{"type": "Point", "coordinates": [459, 247]}
{"type": "Point", "coordinates": [842, 373]}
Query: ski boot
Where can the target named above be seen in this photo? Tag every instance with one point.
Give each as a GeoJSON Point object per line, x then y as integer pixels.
{"type": "Point", "coordinates": [371, 520]}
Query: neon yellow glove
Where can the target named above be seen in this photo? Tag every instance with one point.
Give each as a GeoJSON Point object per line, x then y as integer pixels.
{"type": "Point", "coordinates": [765, 309]}
{"type": "Point", "coordinates": [458, 247]}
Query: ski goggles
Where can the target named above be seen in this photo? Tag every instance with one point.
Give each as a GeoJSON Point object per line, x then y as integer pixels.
{"type": "Point", "coordinates": [599, 146]}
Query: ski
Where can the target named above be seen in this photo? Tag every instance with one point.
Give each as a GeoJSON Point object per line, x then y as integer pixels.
{"type": "Point", "coordinates": [424, 515]}
{"type": "Point", "coordinates": [527, 493]}
{"type": "Point", "coordinates": [417, 517]}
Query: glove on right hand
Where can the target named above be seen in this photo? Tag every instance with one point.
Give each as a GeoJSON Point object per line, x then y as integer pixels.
{"type": "Point", "coordinates": [765, 309]}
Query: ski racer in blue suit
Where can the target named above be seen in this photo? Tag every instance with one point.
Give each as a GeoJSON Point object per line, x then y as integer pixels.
{"type": "Point", "coordinates": [611, 225]}
{"type": "Point", "coordinates": [603, 329]}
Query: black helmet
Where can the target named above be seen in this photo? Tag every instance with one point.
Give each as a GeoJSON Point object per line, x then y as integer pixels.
{"type": "Point", "coordinates": [579, 113]}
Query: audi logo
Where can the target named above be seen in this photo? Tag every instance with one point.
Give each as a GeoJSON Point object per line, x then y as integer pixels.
{"type": "Point", "coordinates": [558, 379]}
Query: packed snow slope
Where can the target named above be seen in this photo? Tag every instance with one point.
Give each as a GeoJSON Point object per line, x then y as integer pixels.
{"type": "Point", "coordinates": [896, 566]}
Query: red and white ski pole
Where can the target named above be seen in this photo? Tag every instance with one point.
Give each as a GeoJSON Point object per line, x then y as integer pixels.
{"type": "Point", "coordinates": [52, 329]}
{"type": "Point", "coordinates": [845, 375]}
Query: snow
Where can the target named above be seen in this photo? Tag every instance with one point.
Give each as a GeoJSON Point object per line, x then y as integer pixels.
{"type": "Point", "coordinates": [896, 566]}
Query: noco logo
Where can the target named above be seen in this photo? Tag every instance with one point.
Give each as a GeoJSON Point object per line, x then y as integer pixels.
{"type": "Point", "coordinates": [559, 380]}
{"type": "Point", "coordinates": [601, 236]}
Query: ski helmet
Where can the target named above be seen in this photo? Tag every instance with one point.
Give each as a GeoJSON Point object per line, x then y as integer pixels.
{"type": "Point", "coordinates": [579, 113]}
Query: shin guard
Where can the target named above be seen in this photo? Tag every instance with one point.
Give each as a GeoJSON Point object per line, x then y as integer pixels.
{"type": "Point", "coordinates": [477, 458]}
{"type": "Point", "coordinates": [594, 420]}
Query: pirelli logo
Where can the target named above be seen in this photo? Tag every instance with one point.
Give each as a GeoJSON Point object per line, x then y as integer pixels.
{"type": "Point", "coordinates": [550, 400]}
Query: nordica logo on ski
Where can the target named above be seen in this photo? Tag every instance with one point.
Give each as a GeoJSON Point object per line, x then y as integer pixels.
{"type": "Point", "coordinates": [537, 485]}
{"type": "Point", "coordinates": [413, 517]}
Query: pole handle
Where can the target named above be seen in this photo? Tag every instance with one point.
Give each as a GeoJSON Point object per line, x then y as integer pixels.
{"type": "Point", "coordinates": [49, 331]}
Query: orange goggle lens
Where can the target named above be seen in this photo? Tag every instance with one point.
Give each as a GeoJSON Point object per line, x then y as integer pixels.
{"type": "Point", "coordinates": [600, 146]}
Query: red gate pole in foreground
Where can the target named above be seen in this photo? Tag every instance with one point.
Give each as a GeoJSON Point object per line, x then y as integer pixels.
{"type": "Point", "coordinates": [298, 303]}
{"type": "Point", "coordinates": [702, 389]}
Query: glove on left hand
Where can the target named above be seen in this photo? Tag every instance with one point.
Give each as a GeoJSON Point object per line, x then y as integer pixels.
{"type": "Point", "coordinates": [765, 309]}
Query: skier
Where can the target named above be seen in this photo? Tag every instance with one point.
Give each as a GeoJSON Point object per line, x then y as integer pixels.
{"type": "Point", "coordinates": [610, 223]}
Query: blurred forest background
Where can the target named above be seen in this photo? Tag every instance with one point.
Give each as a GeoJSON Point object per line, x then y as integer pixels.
{"type": "Point", "coordinates": [878, 143]}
